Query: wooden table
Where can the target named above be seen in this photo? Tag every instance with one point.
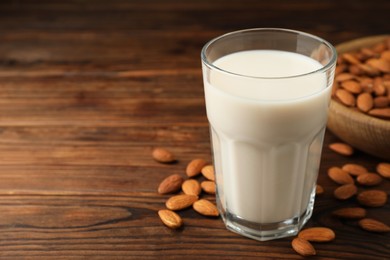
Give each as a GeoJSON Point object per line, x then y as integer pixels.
{"type": "Point", "coordinates": [88, 88]}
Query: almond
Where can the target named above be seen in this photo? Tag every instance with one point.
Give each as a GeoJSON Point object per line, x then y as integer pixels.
{"type": "Point", "coordinates": [372, 198]}
{"type": "Point", "coordinates": [365, 102]}
{"type": "Point", "coordinates": [374, 225]}
{"type": "Point", "coordinates": [319, 189]}
{"type": "Point", "coordinates": [303, 247]}
{"type": "Point", "coordinates": [162, 155]}
{"type": "Point", "coordinates": [170, 184]}
{"type": "Point", "coordinates": [385, 55]}
{"type": "Point", "coordinates": [380, 112]}
{"type": "Point", "coordinates": [344, 76]}
{"type": "Point", "coordinates": [342, 148]}
{"type": "Point", "coordinates": [339, 176]}
{"type": "Point", "coordinates": [194, 167]}
{"type": "Point", "coordinates": [191, 187]}
{"type": "Point", "coordinates": [345, 97]}
{"type": "Point", "coordinates": [369, 179]}
{"type": "Point", "coordinates": [181, 201]}
{"type": "Point", "coordinates": [383, 169]}
{"type": "Point", "coordinates": [350, 58]}
{"type": "Point", "coordinates": [317, 234]}
{"type": "Point", "coordinates": [345, 191]}
{"type": "Point", "coordinates": [170, 218]}
{"type": "Point", "coordinates": [381, 102]}
{"type": "Point", "coordinates": [208, 187]}
{"type": "Point", "coordinates": [350, 213]}
{"type": "Point", "coordinates": [354, 169]}
{"type": "Point", "coordinates": [206, 208]}
{"type": "Point", "coordinates": [208, 172]}
{"type": "Point", "coordinates": [378, 86]}
{"type": "Point", "coordinates": [351, 86]}
{"type": "Point", "coordinates": [380, 64]}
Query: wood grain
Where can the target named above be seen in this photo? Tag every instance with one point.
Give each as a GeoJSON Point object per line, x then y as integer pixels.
{"type": "Point", "coordinates": [88, 88]}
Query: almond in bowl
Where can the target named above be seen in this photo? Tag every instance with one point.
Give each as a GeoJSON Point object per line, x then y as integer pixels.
{"type": "Point", "coordinates": [359, 112]}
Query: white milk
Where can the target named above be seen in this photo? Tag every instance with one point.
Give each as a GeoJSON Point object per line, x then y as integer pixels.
{"type": "Point", "coordinates": [266, 133]}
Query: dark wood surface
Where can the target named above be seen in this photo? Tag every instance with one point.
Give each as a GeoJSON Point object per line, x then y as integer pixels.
{"type": "Point", "coordinates": [88, 88]}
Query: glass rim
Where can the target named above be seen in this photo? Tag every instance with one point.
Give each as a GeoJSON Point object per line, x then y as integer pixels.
{"type": "Point", "coordinates": [325, 67]}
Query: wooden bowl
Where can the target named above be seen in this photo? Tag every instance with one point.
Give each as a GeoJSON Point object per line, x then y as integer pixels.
{"type": "Point", "coordinates": [366, 133]}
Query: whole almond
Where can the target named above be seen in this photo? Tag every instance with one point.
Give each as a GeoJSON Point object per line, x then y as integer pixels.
{"type": "Point", "coordinates": [342, 148]}
{"type": "Point", "coordinates": [345, 97]}
{"type": "Point", "coordinates": [354, 169]}
{"type": "Point", "coordinates": [350, 213]}
{"type": "Point", "coordinates": [345, 191]}
{"type": "Point", "coordinates": [351, 86]}
{"type": "Point", "coordinates": [344, 76]}
{"type": "Point", "coordinates": [163, 155]}
{"type": "Point", "coordinates": [350, 58]}
{"type": "Point", "coordinates": [191, 187]}
{"type": "Point", "coordinates": [319, 189]}
{"type": "Point", "coordinates": [206, 208]}
{"type": "Point", "coordinates": [317, 234]}
{"type": "Point", "coordinates": [194, 167]}
{"type": "Point", "coordinates": [208, 187]}
{"type": "Point", "coordinates": [372, 198]}
{"type": "Point", "coordinates": [380, 64]}
{"type": "Point", "coordinates": [378, 86]}
{"type": "Point", "coordinates": [383, 169]}
{"type": "Point", "coordinates": [339, 176]}
{"type": "Point", "coordinates": [181, 201]}
{"type": "Point", "coordinates": [380, 112]}
{"type": "Point", "coordinates": [170, 218]}
{"type": "Point", "coordinates": [381, 102]}
{"type": "Point", "coordinates": [303, 247]}
{"type": "Point", "coordinates": [170, 184]}
{"type": "Point", "coordinates": [208, 172]}
{"type": "Point", "coordinates": [369, 179]}
{"type": "Point", "coordinates": [374, 225]}
{"type": "Point", "coordinates": [365, 102]}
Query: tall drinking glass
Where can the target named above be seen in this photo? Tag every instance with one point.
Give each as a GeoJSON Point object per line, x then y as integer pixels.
{"type": "Point", "coordinates": [267, 93]}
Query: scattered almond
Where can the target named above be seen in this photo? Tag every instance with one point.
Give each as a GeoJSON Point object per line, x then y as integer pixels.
{"type": "Point", "coordinates": [354, 169]}
{"type": "Point", "coordinates": [319, 189]}
{"type": "Point", "coordinates": [191, 187]}
{"type": "Point", "coordinates": [206, 208]}
{"type": "Point", "coordinates": [181, 201]}
{"type": "Point", "coordinates": [170, 184]}
{"type": "Point", "coordinates": [303, 247]}
{"type": "Point", "coordinates": [170, 219]}
{"type": "Point", "coordinates": [208, 187]}
{"type": "Point", "coordinates": [345, 191]}
{"type": "Point", "coordinates": [208, 172]}
{"type": "Point", "coordinates": [350, 213]}
{"type": "Point", "coordinates": [369, 179]}
{"type": "Point", "coordinates": [374, 225]}
{"type": "Point", "coordinates": [344, 76]}
{"type": "Point", "coordinates": [383, 169]}
{"type": "Point", "coordinates": [372, 198]}
{"type": "Point", "coordinates": [339, 176]}
{"type": "Point", "coordinates": [342, 148]}
{"type": "Point", "coordinates": [162, 155]}
{"type": "Point", "coordinates": [317, 234]}
{"type": "Point", "coordinates": [194, 167]}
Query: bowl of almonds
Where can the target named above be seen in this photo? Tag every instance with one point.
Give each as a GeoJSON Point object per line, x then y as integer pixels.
{"type": "Point", "coordinates": [359, 112]}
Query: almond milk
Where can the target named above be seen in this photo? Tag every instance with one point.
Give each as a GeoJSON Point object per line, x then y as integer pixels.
{"type": "Point", "coordinates": [267, 126]}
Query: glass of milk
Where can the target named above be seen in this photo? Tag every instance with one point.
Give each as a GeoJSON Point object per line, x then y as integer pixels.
{"type": "Point", "coordinates": [267, 93]}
